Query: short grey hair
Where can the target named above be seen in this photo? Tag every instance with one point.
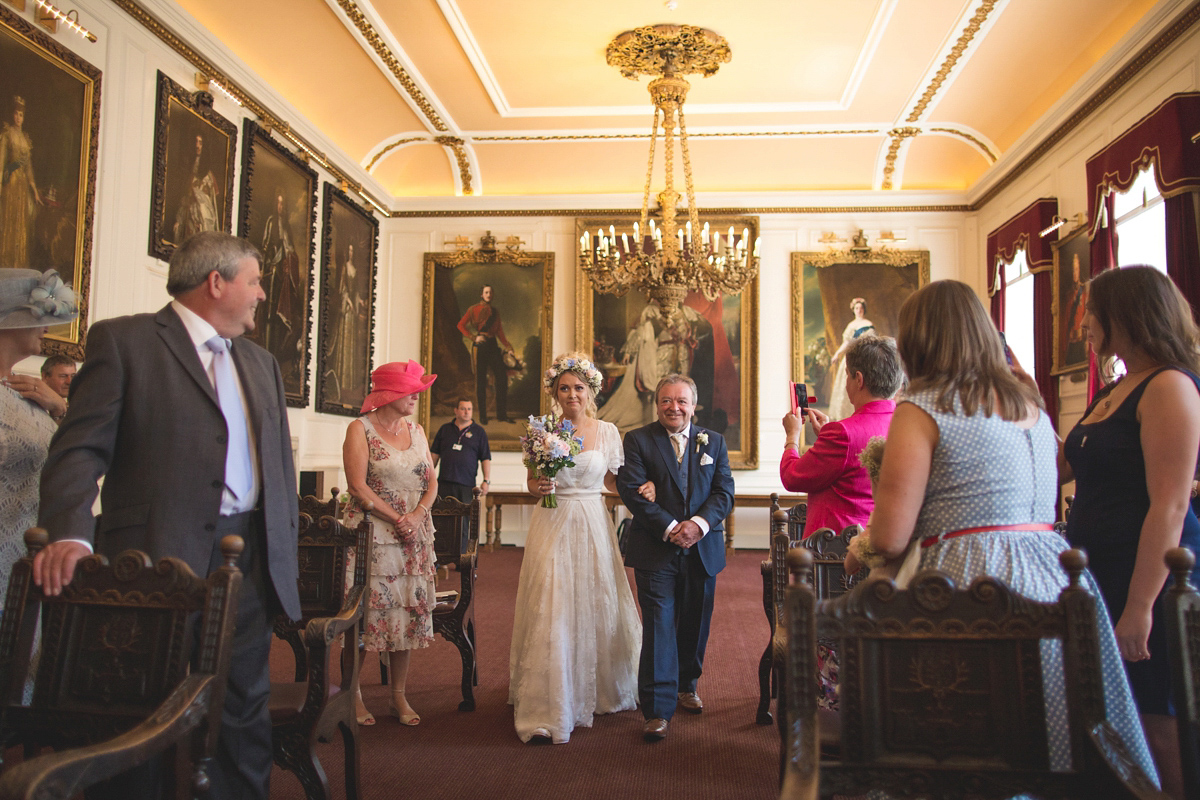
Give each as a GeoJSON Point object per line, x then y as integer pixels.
{"type": "Point", "coordinates": [676, 377]}
{"type": "Point", "coordinates": [56, 360]}
{"type": "Point", "coordinates": [877, 358]}
{"type": "Point", "coordinates": [202, 254]}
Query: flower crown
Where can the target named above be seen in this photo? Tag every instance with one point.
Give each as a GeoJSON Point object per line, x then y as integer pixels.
{"type": "Point", "coordinates": [580, 366]}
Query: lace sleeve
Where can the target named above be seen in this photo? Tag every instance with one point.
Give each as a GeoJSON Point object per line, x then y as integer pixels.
{"type": "Point", "coordinates": [610, 443]}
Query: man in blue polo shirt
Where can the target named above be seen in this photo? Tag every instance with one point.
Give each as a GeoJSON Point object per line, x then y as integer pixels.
{"type": "Point", "coordinates": [461, 446]}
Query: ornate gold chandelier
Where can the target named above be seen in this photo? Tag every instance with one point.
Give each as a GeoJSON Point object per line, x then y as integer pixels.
{"type": "Point", "coordinates": [666, 260]}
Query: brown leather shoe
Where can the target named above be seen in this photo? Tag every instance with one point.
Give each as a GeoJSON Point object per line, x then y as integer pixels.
{"type": "Point", "coordinates": [655, 730]}
{"type": "Point", "coordinates": [691, 702]}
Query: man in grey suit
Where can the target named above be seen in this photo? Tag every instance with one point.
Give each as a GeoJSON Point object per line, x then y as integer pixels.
{"type": "Point", "coordinates": [186, 421]}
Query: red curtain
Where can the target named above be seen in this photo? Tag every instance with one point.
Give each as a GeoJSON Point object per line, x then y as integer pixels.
{"type": "Point", "coordinates": [1023, 232]}
{"type": "Point", "coordinates": [1043, 342]}
{"type": "Point", "coordinates": [1104, 256]}
{"type": "Point", "coordinates": [1183, 244]}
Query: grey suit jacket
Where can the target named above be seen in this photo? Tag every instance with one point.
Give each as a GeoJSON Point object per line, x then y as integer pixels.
{"type": "Point", "coordinates": [144, 415]}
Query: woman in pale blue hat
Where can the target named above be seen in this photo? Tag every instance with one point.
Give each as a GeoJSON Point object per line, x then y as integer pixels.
{"type": "Point", "coordinates": [30, 302]}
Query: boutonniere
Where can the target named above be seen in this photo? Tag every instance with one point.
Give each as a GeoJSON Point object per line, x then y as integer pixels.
{"type": "Point", "coordinates": [701, 440]}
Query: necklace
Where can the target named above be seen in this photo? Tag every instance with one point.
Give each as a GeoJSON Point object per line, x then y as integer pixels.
{"type": "Point", "coordinates": [394, 429]}
{"type": "Point", "coordinates": [1104, 407]}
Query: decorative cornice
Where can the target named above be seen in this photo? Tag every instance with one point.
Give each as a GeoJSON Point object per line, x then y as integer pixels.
{"type": "Point", "coordinates": [952, 59]}
{"type": "Point", "coordinates": [975, 140]}
{"type": "Point", "coordinates": [898, 136]}
{"type": "Point", "coordinates": [460, 155]}
{"type": "Point", "coordinates": [385, 54]}
{"type": "Point", "coordinates": [633, 213]}
{"type": "Point", "coordinates": [390, 147]}
{"type": "Point", "coordinates": [268, 118]}
{"type": "Point", "coordinates": [1127, 73]}
{"type": "Point", "coordinates": [701, 135]}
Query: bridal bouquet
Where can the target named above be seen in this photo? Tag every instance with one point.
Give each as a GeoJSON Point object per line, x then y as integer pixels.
{"type": "Point", "coordinates": [548, 445]}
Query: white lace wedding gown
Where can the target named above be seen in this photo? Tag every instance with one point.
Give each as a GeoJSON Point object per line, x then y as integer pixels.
{"type": "Point", "coordinates": [576, 635]}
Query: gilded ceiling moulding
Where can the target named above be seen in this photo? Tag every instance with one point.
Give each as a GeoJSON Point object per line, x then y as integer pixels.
{"type": "Point", "coordinates": [898, 136]}
{"type": "Point", "coordinates": [631, 213]}
{"type": "Point", "coordinates": [952, 58]}
{"type": "Point", "coordinates": [711, 135]}
{"type": "Point", "coordinates": [460, 155]}
{"type": "Point", "coordinates": [392, 63]}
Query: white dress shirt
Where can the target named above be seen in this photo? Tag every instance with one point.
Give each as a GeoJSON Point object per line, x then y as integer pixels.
{"type": "Point", "coordinates": [700, 521]}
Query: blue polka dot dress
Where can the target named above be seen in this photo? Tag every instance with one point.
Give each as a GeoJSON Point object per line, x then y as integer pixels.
{"type": "Point", "coordinates": [987, 471]}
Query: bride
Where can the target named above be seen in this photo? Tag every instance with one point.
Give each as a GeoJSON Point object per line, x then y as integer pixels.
{"type": "Point", "coordinates": [576, 635]}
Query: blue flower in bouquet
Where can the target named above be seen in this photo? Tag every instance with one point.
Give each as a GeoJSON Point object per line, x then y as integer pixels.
{"type": "Point", "coordinates": [549, 445]}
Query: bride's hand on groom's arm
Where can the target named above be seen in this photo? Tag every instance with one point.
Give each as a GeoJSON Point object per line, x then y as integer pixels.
{"type": "Point", "coordinates": [646, 490]}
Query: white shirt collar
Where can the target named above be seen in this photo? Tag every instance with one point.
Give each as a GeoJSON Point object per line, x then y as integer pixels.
{"type": "Point", "coordinates": [199, 329]}
{"type": "Point", "coordinates": [687, 432]}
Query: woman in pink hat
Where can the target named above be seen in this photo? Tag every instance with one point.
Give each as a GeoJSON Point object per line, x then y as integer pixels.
{"type": "Point", "coordinates": [388, 464]}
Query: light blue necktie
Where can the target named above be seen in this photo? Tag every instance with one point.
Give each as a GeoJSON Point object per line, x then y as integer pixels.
{"type": "Point", "coordinates": [238, 467]}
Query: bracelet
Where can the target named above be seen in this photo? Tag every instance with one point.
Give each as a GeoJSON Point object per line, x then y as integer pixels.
{"type": "Point", "coordinates": [485, 480]}
{"type": "Point", "coordinates": [867, 555]}
{"type": "Point", "coordinates": [788, 444]}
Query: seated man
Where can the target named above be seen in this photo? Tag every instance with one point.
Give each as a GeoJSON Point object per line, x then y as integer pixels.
{"type": "Point", "coordinates": [839, 490]}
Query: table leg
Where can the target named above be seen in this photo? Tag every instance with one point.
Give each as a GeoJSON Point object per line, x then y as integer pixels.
{"type": "Point", "coordinates": [729, 549]}
{"type": "Point", "coordinates": [499, 523]}
{"type": "Point", "coordinates": [489, 512]}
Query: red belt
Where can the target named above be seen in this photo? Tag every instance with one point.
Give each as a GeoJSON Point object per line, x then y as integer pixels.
{"type": "Point", "coordinates": [1028, 526]}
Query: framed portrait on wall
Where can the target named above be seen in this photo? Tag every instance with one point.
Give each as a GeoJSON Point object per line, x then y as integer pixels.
{"type": "Point", "coordinates": [49, 121]}
{"type": "Point", "coordinates": [192, 184]}
{"type": "Point", "coordinates": [278, 213]}
{"type": "Point", "coordinates": [488, 319]}
{"type": "Point", "coordinates": [837, 296]}
{"type": "Point", "coordinates": [715, 343]}
{"type": "Point", "coordinates": [350, 236]}
{"type": "Point", "coordinates": [1072, 270]}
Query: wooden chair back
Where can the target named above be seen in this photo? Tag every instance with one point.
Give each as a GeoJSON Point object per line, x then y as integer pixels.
{"type": "Point", "coordinates": [129, 649]}
{"type": "Point", "coordinates": [942, 691]}
{"type": "Point", "coordinates": [456, 542]}
{"type": "Point", "coordinates": [1183, 641]}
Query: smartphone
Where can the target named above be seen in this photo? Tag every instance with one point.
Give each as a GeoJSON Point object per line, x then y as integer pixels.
{"type": "Point", "coordinates": [1008, 353]}
{"type": "Point", "coordinates": [800, 400]}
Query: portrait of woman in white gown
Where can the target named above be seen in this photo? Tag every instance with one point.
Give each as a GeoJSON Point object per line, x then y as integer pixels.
{"type": "Point", "coordinates": [576, 633]}
{"type": "Point", "coordinates": [839, 404]}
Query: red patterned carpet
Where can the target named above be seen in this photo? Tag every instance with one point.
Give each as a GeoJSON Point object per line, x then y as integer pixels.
{"type": "Point", "coordinates": [721, 753]}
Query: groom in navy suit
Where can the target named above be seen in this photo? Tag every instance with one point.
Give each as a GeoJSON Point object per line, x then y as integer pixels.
{"type": "Point", "coordinates": [676, 546]}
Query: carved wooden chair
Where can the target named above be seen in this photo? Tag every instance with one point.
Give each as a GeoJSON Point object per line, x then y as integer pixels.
{"type": "Point", "coordinates": [1183, 639]}
{"type": "Point", "coordinates": [942, 692]}
{"type": "Point", "coordinates": [118, 682]}
{"type": "Point", "coordinates": [456, 542]}
{"type": "Point", "coordinates": [790, 525]}
{"type": "Point", "coordinates": [315, 706]}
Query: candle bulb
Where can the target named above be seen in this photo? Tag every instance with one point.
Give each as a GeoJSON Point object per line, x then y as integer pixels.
{"type": "Point", "coordinates": [745, 237]}
{"type": "Point", "coordinates": [716, 242]}
{"type": "Point", "coordinates": [612, 233]}
{"type": "Point", "coordinates": [680, 238]}
{"type": "Point", "coordinates": [625, 241]}
{"type": "Point", "coordinates": [729, 239]}
{"type": "Point", "coordinates": [688, 228]}
{"type": "Point", "coordinates": [637, 234]}
{"type": "Point", "coordinates": [757, 243]}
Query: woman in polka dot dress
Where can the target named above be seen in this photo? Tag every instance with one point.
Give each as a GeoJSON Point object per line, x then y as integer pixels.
{"type": "Point", "coordinates": [969, 473]}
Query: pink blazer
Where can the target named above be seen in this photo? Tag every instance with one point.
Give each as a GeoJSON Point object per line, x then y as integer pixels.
{"type": "Point", "coordinates": [839, 490]}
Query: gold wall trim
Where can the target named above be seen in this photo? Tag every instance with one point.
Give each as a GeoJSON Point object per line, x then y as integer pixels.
{"type": "Point", "coordinates": [711, 135]}
{"type": "Point", "coordinates": [972, 139]}
{"type": "Point", "coordinates": [632, 213]}
{"type": "Point", "coordinates": [952, 58]}
{"type": "Point", "coordinates": [1145, 56]}
{"type": "Point", "coordinates": [898, 136]}
{"type": "Point", "coordinates": [390, 147]}
{"type": "Point", "coordinates": [392, 63]}
{"type": "Point", "coordinates": [268, 118]}
{"type": "Point", "coordinates": [460, 155]}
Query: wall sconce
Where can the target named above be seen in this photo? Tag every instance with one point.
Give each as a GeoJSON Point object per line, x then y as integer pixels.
{"type": "Point", "coordinates": [1057, 222]}
{"type": "Point", "coordinates": [48, 16]}
{"type": "Point", "coordinates": [205, 83]}
{"type": "Point", "coordinates": [830, 238]}
{"type": "Point", "coordinates": [888, 237]}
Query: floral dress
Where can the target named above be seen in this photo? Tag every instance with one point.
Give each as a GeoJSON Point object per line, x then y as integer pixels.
{"type": "Point", "coordinates": [25, 432]}
{"type": "Point", "coordinates": [402, 574]}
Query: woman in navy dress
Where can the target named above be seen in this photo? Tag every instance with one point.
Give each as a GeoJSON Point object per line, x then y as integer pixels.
{"type": "Point", "coordinates": [1132, 457]}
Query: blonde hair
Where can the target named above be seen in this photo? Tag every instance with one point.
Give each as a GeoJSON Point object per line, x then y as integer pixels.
{"type": "Point", "coordinates": [949, 344]}
{"type": "Point", "coordinates": [581, 368]}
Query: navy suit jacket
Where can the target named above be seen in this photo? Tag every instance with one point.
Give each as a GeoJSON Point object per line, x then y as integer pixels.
{"type": "Point", "coordinates": [144, 415]}
{"type": "Point", "coordinates": [649, 455]}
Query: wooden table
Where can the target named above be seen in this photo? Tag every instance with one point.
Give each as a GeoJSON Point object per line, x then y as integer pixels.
{"type": "Point", "coordinates": [495, 502]}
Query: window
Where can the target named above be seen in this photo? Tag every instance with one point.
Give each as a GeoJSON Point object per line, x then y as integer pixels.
{"type": "Point", "coordinates": [1018, 310]}
{"type": "Point", "coordinates": [1141, 223]}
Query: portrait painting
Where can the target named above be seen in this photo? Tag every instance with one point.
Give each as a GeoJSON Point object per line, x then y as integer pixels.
{"type": "Point", "coordinates": [838, 296]}
{"type": "Point", "coordinates": [49, 120]}
{"type": "Point", "coordinates": [278, 213]}
{"type": "Point", "coordinates": [1072, 270]}
{"type": "Point", "coordinates": [634, 343]}
{"type": "Point", "coordinates": [488, 316]}
{"type": "Point", "coordinates": [350, 236]}
{"type": "Point", "coordinates": [192, 183]}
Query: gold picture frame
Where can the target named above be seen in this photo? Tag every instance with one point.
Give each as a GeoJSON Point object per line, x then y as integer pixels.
{"type": "Point", "coordinates": [824, 283]}
{"type": "Point", "coordinates": [1067, 302]}
{"type": "Point", "coordinates": [723, 356]}
{"type": "Point", "coordinates": [521, 285]}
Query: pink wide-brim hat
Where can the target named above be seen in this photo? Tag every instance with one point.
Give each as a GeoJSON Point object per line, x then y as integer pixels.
{"type": "Point", "coordinates": [395, 380]}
